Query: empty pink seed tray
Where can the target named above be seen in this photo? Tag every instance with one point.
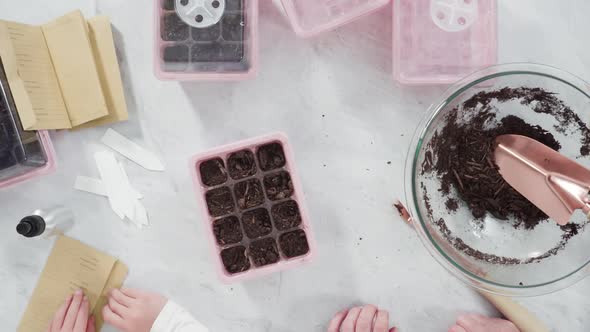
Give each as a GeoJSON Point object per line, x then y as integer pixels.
{"type": "Point", "coordinates": [206, 39]}
{"type": "Point", "coordinates": [23, 154]}
{"type": "Point", "coordinates": [253, 207]}
{"type": "Point", "coordinates": [311, 17]}
{"type": "Point", "coordinates": [442, 41]}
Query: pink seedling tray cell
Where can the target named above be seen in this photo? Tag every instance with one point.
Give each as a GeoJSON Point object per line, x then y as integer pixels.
{"type": "Point", "coordinates": [23, 154]}
{"type": "Point", "coordinates": [442, 41]}
{"type": "Point", "coordinates": [253, 207]}
{"type": "Point", "coordinates": [224, 51]}
{"type": "Point", "coordinates": [27, 171]}
{"type": "Point", "coordinates": [312, 17]}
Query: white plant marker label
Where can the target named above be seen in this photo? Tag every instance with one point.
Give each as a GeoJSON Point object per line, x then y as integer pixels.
{"type": "Point", "coordinates": [96, 186]}
{"type": "Point", "coordinates": [131, 150]}
{"type": "Point", "coordinates": [110, 172]}
{"type": "Point", "coordinates": [91, 185]}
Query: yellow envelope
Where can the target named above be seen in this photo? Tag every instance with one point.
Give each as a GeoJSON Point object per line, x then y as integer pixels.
{"type": "Point", "coordinates": [71, 265]}
{"type": "Point", "coordinates": [64, 74]}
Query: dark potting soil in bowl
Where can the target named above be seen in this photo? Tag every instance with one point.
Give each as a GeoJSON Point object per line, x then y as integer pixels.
{"type": "Point", "coordinates": [461, 154]}
{"type": "Point", "coordinates": [465, 160]}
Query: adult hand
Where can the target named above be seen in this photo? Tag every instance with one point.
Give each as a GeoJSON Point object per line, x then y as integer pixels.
{"type": "Point", "coordinates": [132, 310]}
{"type": "Point", "coordinates": [480, 323]}
{"type": "Point", "coordinates": [72, 316]}
{"type": "Point", "coordinates": [361, 319]}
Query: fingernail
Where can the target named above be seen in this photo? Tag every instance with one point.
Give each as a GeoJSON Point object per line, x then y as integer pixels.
{"type": "Point", "coordinates": [79, 292]}
{"type": "Point", "coordinates": [69, 297]}
{"type": "Point", "coordinates": [85, 298]}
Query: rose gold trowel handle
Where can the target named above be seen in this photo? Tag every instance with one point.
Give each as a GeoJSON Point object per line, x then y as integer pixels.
{"type": "Point", "coordinates": [524, 320]}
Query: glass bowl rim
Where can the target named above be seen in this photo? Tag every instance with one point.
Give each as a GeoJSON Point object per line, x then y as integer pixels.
{"type": "Point", "coordinates": [410, 187]}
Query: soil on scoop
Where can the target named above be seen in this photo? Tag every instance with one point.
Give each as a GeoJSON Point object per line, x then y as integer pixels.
{"type": "Point", "coordinates": [241, 164]}
{"type": "Point", "coordinates": [465, 160]}
{"type": "Point", "coordinates": [294, 244]}
{"type": "Point", "coordinates": [173, 28]}
{"type": "Point", "coordinates": [235, 259]}
{"type": "Point", "coordinates": [271, 156]}
{"type": "Point", "coordinates": [256, 223]}
{"type": "Point", "coordinates": [286, 215]}
{"type": "Point", "coordinates": [220, 201]}
{"type": "Point", "coordinates": [264, 252]}
{"type": "Point", "coordinates": [213, 172]}
{"type": "Point", "coordinates": [278, 186]}
{"type": "Point", "coordinates": [227, 230]}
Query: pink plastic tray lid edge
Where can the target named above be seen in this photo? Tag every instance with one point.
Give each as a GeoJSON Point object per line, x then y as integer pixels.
{"type": "Point", "coordinates": [397, 75]}
{"type": "Point", "coordinates": [49, 167]}
{"type": "Point", "coordinates": [300, 197]}
{"type": "Point", "coordinates": [238, 76]}
{"type": "Point", "coordinates": [343, 20]}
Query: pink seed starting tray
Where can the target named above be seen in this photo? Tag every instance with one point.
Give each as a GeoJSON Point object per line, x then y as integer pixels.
{"type": "Point", "coordinates": [253, 207]}
{"type": "Point", "coordinates": [442, 41]}
{"type": "Point", "coordinates": [206, 39]}
{"type": "Point", "coordinates": [23, 154]}
{"type": "Point", "coordinates": [311, 17]}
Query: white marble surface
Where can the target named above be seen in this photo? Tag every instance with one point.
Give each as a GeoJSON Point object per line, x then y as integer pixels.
{"type": "Point", "coordinates": [344, 75]}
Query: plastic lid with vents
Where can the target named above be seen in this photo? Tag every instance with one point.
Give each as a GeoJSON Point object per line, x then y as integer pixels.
{"type": "Point", "coordinates": [442, 41]}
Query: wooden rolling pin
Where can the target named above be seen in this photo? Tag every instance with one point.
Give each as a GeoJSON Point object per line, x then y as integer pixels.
{"type": "Point", "coordinates": [524, 320]}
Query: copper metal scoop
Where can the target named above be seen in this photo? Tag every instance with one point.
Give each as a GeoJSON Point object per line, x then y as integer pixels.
{"type": "Point", "coordinates": [555, 184]}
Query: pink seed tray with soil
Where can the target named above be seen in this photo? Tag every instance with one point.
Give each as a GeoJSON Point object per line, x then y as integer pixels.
{"type": "Point", "coordinates": [224, 51]}
{"type": "Point", "coordinates": [253, 207]}
{"type": "Point", "coordinates": [23, 154]}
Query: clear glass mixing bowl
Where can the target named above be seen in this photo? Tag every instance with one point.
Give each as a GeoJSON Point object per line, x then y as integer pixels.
{"type": "Point", "coordinates": [490, 236]}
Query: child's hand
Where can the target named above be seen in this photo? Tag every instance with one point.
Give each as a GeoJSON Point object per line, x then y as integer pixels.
{"type": "Point", "coordinates": [131, 310]}
{"type": "Point", "coordinates": [361, 319]}
{"type": "Point", "coordinates": [480, 323]}
{"type": "Point", "coordinates": [72, 316]}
